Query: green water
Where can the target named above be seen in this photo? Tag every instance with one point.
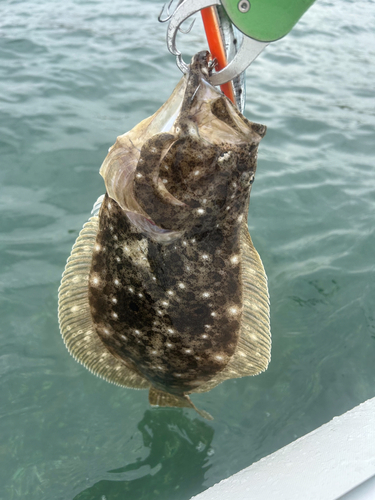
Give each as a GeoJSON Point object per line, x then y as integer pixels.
{"type": "Point", "coordinates": [73, 76]}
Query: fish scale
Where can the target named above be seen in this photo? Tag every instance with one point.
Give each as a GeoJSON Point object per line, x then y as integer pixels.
{"type": "Point", "coordinates": [164, 288]}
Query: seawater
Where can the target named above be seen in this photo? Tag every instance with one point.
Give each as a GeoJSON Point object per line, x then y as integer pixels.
{"type": "Point", "coordinates": [73, 76]}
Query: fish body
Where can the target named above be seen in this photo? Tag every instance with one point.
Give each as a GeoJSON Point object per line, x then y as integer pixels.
{"type": "Point", "coordinates": [164, 288]}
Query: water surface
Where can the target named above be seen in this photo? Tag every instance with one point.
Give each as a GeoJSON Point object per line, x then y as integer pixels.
{"type": "Point", "coordinates": [73, 76]}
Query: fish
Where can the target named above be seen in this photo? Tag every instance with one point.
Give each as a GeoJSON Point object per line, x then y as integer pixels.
{"type": "Point", "coordinates": [164, 289]}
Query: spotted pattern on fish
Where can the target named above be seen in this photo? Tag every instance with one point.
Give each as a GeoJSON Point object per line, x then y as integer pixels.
{"type": "Point", "coordinates": [164, 289]}
{"type": "Point", "coordinates": [172, 310]}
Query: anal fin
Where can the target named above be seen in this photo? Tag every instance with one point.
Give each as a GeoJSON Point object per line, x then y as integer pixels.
{"type": "Point", "coordinates": [162, 398]}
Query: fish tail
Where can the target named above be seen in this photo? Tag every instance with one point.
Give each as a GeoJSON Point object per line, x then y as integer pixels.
{"type": "Point", "coordinates": [161, 398]}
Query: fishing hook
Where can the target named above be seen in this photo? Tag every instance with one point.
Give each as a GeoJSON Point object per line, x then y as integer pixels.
{"type": "Point", "coordinates": [169, 16]}
{"type": "Point", "coordinates": [185, 32]}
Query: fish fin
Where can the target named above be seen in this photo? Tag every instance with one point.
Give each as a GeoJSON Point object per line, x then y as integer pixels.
{"type": "Point", "coordinates": [97, 205]}
{"type": "Point", "coordinates": [162, 398]}
{"type": "Point", "coordinates": [253, 350]}
{"type": "Point", "coordinates": [76, 325]}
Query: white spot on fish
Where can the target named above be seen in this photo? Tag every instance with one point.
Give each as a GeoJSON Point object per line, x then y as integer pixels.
{"type": "Point", "coordinates": [153, 278]}
{"type": "Point", "coordinates": [184, 243]}
{"type": "Point", "coordinates": [187, 351]}
{"type": "Point", "coordinates": [228, 208]}
{"type": "Point", "coordinates": [235, 259]}
{"type": "Point", "coordinates": [138, 175]}
{"type": "Point", "coordinates": [98, 247]}
{"type": "Point", "coordinates": [240, 218]}
{"type": "Point", "coordinates": [114, 300]}
{"type": "Point", "coordinates": [204, 201]}
{"type": "Point", "coordinates": [137, 332]}
{"type": "Point", "coordinates": [115, 237]}
{"type": "Point", "coordinates": [131, 290]}
{"type": "Point", "coordinates": [124, 337]}
{"type": "Point", "coordinates": [114, 315]}
{"type": "Point", "coordinates": [140, 295]}
{"type": "Point", "coordinates": [205, 256]}
{"type": "Point", "coordinates": [205, 295]}
{"type": "Point", "coordinates": [95, 280]}
{"type": "Point", "coordinates": [196, 172]}
{"type": "Point", "coordinates": [118, 259]}
{"type": "Point", "coordinates": [165, 181]}
{"type": "Point", "coordinates": [111, 228]}
{"type": "Point", "coordinates": [170, 292]}
{"type": "Point", "coordinates": [218, 357]}
{"type": "Point", "coordinates": [201, 211]}
{"type": "Point", "coordinates": [213, 314]}
{"type": "Point", "coordinates": [154, 352]}
{"type": "Point", "coordinates": [233, 310]}
{"type": "Point", "coordinates": [207, 327]}
{"type": "Point", "coordinates": [177, 374]}
{"type": "Point", "coordinates": [204, 336]}
{"type": "Point", "coordinates": [169, 330]}
{"type": "Point", "coordinates": [168, 344]}
{"type": "Point", "coordinates": [165, 303]}
{"type": "Point", "coordinates": [116, 281]}
{"type": "Point", "coordinates": [181, 285]}
{"type": "Point", "coordinates": [109, 205]}
{"type": "Point", "coordinates": [106, 331]}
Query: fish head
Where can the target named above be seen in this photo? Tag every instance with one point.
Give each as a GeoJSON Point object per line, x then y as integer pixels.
{"type": "Point", "coordinates": [191, 165]}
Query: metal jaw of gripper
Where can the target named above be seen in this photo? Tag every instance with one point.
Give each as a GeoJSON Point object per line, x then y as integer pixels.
{"type": "Point", "coordinates": [243, 57]}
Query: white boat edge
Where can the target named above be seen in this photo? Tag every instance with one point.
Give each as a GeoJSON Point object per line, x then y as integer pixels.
{"type": "Point", "coordinates": [335, 461]}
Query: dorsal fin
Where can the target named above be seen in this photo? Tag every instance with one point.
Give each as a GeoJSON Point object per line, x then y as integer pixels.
{"type": "Point", "coordinates": [253, 350]}
{"type": "Point", "coordinates": [76, 325]}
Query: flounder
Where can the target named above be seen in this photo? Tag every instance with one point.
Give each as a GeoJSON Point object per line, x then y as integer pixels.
{"type": "Point", "coordinates": [164, 289]}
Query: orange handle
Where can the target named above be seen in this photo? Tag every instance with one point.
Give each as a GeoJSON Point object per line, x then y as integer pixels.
{"type": "Point", "coordinates": [215, 43]}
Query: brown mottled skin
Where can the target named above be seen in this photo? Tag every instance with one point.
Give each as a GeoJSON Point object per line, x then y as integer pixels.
{"type": "Point", "coordinates": [151, 302]}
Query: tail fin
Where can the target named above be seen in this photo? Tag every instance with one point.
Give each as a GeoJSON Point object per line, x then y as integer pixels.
{"type": "Point", "coordinates": [161, 398]}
